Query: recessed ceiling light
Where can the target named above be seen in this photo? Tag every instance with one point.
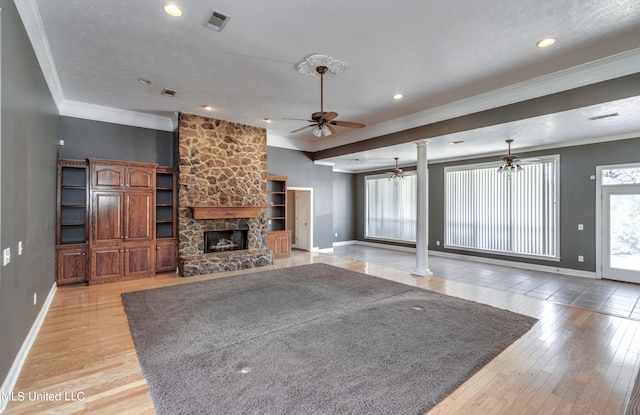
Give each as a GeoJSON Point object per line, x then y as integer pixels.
{"type": "Point", "coordinates": [545, 43]}
{"type": "Point", "coordinates": [397, 96]}
{"type": "Point", "coordinates": [172, 10]}
{"type": "Point", "coordinates": [266, 120]}
{"type": "Point", "coordinates": [206, 107]}
{"type": "Point", "coordinates": [144, 81]}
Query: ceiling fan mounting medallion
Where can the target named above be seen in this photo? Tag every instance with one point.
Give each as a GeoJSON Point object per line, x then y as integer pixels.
{"type": "Point", "coordinates": [321, 121]}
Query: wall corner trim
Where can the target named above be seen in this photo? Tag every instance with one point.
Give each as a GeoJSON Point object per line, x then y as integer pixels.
{"type": "Point", "coordinates": [9, 383]}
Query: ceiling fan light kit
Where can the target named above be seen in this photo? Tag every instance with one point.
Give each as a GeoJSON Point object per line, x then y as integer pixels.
{"type": "Point", "coordinates": [321, 121]}
{"type": "Point", "coordinates": [510, 162]}
{"type": "Point", "coordinates": [396, 173]}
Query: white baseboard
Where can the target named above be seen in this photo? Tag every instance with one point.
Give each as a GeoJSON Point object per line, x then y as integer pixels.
{"type": "Point", "coordinates": [12, 377]}
{"type": "Point", "coordinates": [513, 264]}
{"type": "Point", "coordinates": [521, 265]}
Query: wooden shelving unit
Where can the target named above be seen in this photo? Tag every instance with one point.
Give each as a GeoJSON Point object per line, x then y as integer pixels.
{"type": "Point", "coordinates": [166, 220]}
{"type": "Point", "coordinates": [278, 237]}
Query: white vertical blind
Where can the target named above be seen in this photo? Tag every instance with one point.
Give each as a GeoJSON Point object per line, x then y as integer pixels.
{"type": "Point", "coordinates": [391, 208]}
{"type": "Point", "coordinates": [513, 213]}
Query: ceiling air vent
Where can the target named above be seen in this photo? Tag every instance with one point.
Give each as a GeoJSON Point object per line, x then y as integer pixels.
{"type": "Point", "coordinates": [216, 20]}
{"type": "Point", "coordinates": [599, 117]}
{"type": "Point", "coordinates": [168, 92]}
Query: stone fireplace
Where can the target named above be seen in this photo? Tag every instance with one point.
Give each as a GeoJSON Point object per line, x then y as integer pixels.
{"type": "Point", "coordinates": [222, 189]}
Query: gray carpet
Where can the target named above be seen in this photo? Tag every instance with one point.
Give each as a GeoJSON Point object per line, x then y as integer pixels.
{"type": "Point", "coordinates": [313, 339]}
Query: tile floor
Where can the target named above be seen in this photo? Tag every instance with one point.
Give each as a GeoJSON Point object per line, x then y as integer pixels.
{"type": "Point", "coordinates": [608, 297]}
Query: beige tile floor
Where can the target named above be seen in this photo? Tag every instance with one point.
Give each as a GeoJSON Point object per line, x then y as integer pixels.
{"type": "Point", "coordinates": [609, 297]}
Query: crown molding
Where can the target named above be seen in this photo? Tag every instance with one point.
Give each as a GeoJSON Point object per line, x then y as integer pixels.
{"type": "Point", "coordinates": [32, 21]}
{"type": "Point", "coordinates": [118, 116]}
{"type": "Point", "coordinates": [615, 66]}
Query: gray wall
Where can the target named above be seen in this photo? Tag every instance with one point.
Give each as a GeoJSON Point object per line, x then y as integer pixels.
{"type": "Point", "coordinates": [344, 199]}
{"type": "Point", "coordinates": [577, 200]}
{"type": "Point", "coordinates": [302, 172]}
{"type": "Point", "coordinates": [28, 133]}
{"type": "Point", "coordinates": [95, 139]}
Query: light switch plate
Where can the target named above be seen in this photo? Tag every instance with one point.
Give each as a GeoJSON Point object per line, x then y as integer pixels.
{"type": "Point", "coordinates": [6, 256]}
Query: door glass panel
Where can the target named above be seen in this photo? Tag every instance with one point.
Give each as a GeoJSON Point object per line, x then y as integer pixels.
{"type": "Point", "coordinates": [625, 231]}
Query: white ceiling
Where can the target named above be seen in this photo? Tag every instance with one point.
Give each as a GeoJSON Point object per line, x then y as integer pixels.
{"type": "Point", "coordinates": [448, 58]}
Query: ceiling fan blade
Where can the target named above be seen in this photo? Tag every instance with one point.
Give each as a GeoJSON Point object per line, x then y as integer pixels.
{"type": "Point", "coordinates": [302, 128]}
{"type": "Point", "coordinates": [329, 116]}
{"type": "Point", "coordinates": [348, 124]}
{"type": "Point", "coordinates": [297, 119]}
{"type": "Point", "coordinates": [333, 130]}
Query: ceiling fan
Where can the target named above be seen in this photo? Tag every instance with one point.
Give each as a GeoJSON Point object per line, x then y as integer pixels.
{"type": "Point", "coordinates": [321, 121]}
{"type": "Point", "coordinates": [511, 163]}
{"type": "Point", "coordinates": [396, 173]}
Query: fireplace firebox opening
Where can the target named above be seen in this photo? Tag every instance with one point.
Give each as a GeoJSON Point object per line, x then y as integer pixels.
{"type": "Point", "coordinates": [225, 240]}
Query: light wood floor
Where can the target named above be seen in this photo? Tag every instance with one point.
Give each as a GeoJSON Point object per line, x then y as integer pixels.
{"type": "Point", "coordinates": [573, 361]}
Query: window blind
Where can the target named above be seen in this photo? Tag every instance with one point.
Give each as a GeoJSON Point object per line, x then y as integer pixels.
{"type": "Point", "coordinates": [513, 213]}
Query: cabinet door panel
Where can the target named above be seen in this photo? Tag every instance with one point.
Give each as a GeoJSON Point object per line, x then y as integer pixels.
{"type": "Point", "coordinates": [106, 264]}
{"type": "Point", "coordinates": [107, 217]}
{"type": "Point", "coordinates": [139, 178]}
{"type": "Point", "coordinates": [72, 265]}
{"type": "Point", "coordinates": [166, 256]}
{"type": "Point", "coordinates": [138, 260]}
{"type": "Point", "coordinates": [107, 176]}
{"type": "Point", "coordinates": [139, 220]}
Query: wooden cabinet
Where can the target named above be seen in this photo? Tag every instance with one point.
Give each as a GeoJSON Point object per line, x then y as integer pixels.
{"type": "Point", "coordinates": [166, 255]}
{"type": "Point", "coordinates": [110, 175]}
{"type": "Point", "coordinates": [121, 216]}
{"type": "Point", "coordinates": [280, 243]}
{"type": "Point", "coordinates": [118, 262]}
{"type": "Point", "coordinates": [71, 223]}
{"type": "Point", "coordinates": [122, 231]}
{"type": "Point", "coordinates": [278, 237]}
{"type": "Point", "coordinates": [72, 262]}
{"type": "Point", "coordinates": [113, 221]}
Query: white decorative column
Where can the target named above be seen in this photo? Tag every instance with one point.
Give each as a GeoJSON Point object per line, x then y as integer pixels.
{"type": "Point", "coordinates": [422, 223]}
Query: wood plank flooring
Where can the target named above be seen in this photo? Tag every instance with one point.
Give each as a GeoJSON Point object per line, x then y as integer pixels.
{"type": "Point", "coordinates": [574, 361]}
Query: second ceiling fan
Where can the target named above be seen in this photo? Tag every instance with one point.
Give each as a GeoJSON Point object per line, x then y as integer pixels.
{"type": "Point", "coordinates": [323, 122]}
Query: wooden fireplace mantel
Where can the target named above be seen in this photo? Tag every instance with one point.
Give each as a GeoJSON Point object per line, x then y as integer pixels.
{"type": "Point", "coordinates": [226, 212]}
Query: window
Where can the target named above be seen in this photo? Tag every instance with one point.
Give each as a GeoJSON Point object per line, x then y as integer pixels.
{"type": "Point", "coordinates": [514, 214]}
{"type": "Point", "coordinates": [391, 207]}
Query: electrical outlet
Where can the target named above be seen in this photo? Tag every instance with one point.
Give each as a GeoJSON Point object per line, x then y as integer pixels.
{"type": "Point", "coordinates": [35, 298]}
{"type": "Point", "coordinates": [60, 142]}
{"type": "Point", "coordinates": [6, 256]}
{"type": "Point", "coordinates": [580, 227]}
{"type": "Point", "coordinates": [20, 249]}
{"type": "Point", "coordinates": [336, 234]}
{"type": "Point", "coordinates": [580, 258]}
{"type": "Point", "coordinates": [438, 243]}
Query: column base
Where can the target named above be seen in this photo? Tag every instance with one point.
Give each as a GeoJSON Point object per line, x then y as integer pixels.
{"type": "Point", "coordinates": [421, 273]}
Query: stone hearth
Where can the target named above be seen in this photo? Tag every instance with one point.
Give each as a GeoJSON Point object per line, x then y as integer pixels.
{"type": "Point", "coordinates": [222, 165]}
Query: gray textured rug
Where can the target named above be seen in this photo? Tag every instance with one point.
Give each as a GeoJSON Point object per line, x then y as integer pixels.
{"type": "Point", "coordinates": [313, 339]}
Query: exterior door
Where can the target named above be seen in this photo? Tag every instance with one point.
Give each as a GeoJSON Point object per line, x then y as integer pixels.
{"type": "Point", "coordinates": [621, 233]}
